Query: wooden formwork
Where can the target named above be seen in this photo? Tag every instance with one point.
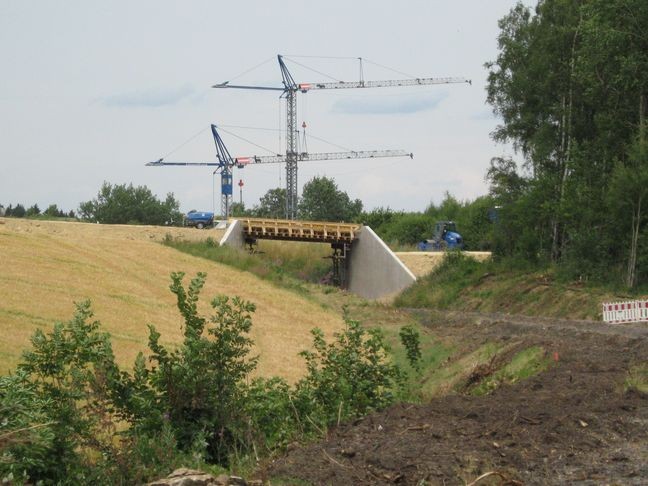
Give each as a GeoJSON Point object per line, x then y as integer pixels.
{"type": "Point", "coordinates": [315, 231]}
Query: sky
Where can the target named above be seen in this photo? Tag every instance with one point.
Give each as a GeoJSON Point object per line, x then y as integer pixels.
{"type": "Point", "coordinates": [90, 91]}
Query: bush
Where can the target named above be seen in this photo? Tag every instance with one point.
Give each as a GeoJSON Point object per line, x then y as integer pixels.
{"type": "Point", "coordinates": [200, 386]}
{"type": "Point", "coordinates": [64, 383]}
{"type": "Point", "coordinates": [349, 377]}
{"type": "Point", "coordinates": [191, 405]}
{"type": "Point", "coordinates": [411, 341]}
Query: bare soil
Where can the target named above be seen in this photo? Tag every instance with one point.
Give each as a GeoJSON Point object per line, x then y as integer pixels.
{"type": "Point", "coordinates": [576, 423]}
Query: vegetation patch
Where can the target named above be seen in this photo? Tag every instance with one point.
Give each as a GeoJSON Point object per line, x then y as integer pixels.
{"type": "Point", "coordinates": [509, 286]}
{"type": "Point", "coordinates": [524, 364]}
{"type": "Point", "coordinates": [71, 415]}
{"type": "Point", "coordinates": [285, 263]}
{"type": "Point", "coordinates": [638, 378]}
{"type": "Point", "coordinates": [454, 373]}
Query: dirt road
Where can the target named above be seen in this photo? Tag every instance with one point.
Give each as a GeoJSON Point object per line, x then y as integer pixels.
{"type": "Point", "coordinates": [576, 423]}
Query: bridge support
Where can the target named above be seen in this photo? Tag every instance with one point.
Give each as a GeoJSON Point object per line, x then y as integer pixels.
{"type": "Point", "coordinates": [362, 262]}
{"type": "Point", "coordinates": [374, 271]}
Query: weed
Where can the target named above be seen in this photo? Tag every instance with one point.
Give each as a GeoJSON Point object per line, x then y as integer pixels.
{"type": "Point", "coordinates": [412, 342]}
{"type": "Point", "coordinates": [638, 378]}
{"type": "Point", "coordinates": [524, 364]}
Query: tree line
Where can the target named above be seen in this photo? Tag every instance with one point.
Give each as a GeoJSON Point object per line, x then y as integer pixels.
{"type": "Point", "coordinates": [19, 211]}
{"type": "Point", "coordinates": [570, 85]}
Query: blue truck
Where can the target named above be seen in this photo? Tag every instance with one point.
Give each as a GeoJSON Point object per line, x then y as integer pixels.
{"type": "Point", "coordinates": [199, 219]}
{"type": "Point", "coordinates": [445, 238]}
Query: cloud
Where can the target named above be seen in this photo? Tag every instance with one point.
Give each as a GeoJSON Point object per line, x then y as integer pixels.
{"type": "Point", "coordinates": [149, 98]}
{"type": "Point", "coordinates": [387, 105]}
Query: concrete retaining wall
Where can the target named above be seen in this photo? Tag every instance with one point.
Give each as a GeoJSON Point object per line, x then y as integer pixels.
{"type": "Point", "coordinates": [374, 271]}
{"type": "Point", "coordinates": [234, 235]}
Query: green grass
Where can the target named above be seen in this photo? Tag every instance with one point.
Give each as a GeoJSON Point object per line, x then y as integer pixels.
{"type": "Point", "coordinates": [451, 376]}
{"type": "Point", "coordinates": [524, 364]}
{"type": "Point", "coordinates": [434, 354]}
{"type": "Point", "coordinates": [638, 378]}
{"type": "Point", "coordinates": [461, 283]}
{"type": "Point", "coordinates": [285, 263]}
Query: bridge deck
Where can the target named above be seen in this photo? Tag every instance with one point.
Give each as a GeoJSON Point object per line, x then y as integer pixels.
{"type": "Point", "coordinates": [313, 231]}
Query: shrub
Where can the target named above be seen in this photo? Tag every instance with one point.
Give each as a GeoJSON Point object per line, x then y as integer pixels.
{"type": "Point", "coordinates": [189, 405]}
{"type": "Point", "coordinates": [349, 377]}
{"type": "Point", "coordinates": [200, 386]}
{"type": "Point", "coordinates": [63, 386]}
{"type": "Point", "coordinates": [412, 342]}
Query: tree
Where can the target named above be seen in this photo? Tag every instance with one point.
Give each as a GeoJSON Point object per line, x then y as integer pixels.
{"type": "Point", "coordinates": [238, 209]}
{"type": "Point", "coordinates": [122, 204]}
{"type": "Point", "coordinates": [570, 84]}
{"type": "Point", "coordinates": [629, 196]}
{"type": "Point", "coordinates": [52, 211]}
{"type": "Point", "coordinates": [272, 204]}
{"type": "Point", "coordinates": [18, 211]}
{"type": "Point", "coordinates": [33, 211]}
{"type": "Point", "coordinates": [322, 201]}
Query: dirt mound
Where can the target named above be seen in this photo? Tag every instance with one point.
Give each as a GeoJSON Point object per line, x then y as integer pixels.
{"type": "Point", "coordinates": [574, 424]}
{"type": "Point", "coordinates": [124, 271]}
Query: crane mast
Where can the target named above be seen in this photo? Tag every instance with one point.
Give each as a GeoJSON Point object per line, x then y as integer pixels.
{"type": "Point", "coordinates": [224, 166]}
{"type": "Point", "coordinates": [290, 90]}
{"type": "Point", "coordinates": [226, 163]}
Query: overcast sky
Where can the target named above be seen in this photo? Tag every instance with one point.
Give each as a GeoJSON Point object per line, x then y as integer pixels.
{"type": "Point", "coordinates": [90, 91]}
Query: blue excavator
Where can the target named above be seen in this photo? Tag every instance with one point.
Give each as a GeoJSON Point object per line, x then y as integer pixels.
{"type": "Point", "coordinates": [445, 238]}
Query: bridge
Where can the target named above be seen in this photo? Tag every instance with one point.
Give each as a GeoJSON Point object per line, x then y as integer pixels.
{"type": "Point", "coordinates": [310, 231]}
{"type": "Point", "coordinates": [362, 262]}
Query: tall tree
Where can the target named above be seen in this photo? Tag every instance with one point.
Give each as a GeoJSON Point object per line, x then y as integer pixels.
{"type": "Point", "coordinates": [19, 211]}
{"type": "Point", "coordinates": [272, 204]}
{"type": "Point", "coordinates": [33, 210]}
{"type": "Point", "coordinates": [629, 196]}
{"type": "Point", "coordinates": [570, 84]}
{"type": "Point", "coordinates": [322, 201]}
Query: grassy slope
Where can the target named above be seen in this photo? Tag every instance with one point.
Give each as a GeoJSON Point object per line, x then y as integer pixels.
{"type": "Point", "coordinates": [446, 365]}
{"type": "Point", "coordinates": [125, 272]}
{"type": "Point", "coordinates": [468, 285]}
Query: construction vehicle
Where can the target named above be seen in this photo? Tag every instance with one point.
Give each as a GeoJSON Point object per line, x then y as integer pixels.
{"type": "Point", "coordinates": [199, 219]}
{"type": "Point", "coordinates": [445, 238]}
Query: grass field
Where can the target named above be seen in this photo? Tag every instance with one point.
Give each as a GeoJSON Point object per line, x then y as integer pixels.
{"type": "Point", "coordinates": [124, 271]}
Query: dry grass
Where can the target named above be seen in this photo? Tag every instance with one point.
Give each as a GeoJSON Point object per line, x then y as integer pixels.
{"type": "Point", "coordinates": [422, 263]}
{"type": "Point", "coordinates": [46, 266]}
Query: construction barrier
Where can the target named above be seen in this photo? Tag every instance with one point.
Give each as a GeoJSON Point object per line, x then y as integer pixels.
{"type": "Point", "coordinates": [629, 311]}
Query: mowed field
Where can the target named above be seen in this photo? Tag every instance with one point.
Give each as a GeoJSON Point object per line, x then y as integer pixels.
{"type": "Point", "coordinates": [124, 270]}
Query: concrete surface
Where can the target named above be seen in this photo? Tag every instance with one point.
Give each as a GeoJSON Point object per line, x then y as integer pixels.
{"type": "Point", "coordinates": [234, 235]}
{"type": "Point", "coordinates": [374, 271]}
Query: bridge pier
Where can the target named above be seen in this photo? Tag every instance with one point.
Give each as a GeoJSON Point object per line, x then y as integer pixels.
{"type": "Point", "coordinates": [374, 271]}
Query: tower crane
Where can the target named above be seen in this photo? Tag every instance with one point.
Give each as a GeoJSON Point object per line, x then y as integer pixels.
{"type": "Point", "coordinates": [289, 92]}
{"type": "Point", "coordinates": [224, 166]}
{"type": "Point", "coordinates": [226, 163]}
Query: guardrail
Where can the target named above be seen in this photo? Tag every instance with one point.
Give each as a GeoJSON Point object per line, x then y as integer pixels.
{"type": "Point", "coordinates": [628, 311]}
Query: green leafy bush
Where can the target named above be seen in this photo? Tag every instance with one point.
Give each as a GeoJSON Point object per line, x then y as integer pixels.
{"type": "Point", "coordinates": [69, 415]}
{"type": "Point", "coordinates": [349, 377]}
{"type": "Point", "coordinates": [411, 340]}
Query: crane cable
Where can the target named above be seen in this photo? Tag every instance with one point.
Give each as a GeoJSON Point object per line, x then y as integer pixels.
{"type": "Point", "coordinates": [186, 142]}
{"type": "Point", "coordinates": [314, 70]}
{"type": "Point", "coordinates": [248, 141]}
{"type": "Point", "coordinates": [388, 68]}
{"type": "Point", "coordinates": [251, 69]}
